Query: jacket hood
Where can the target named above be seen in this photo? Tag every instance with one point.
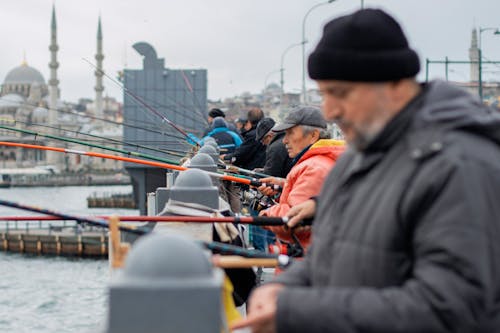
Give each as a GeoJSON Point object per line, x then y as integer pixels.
{"type": "Point", "coordinates": [454, 108]}
{"type": "Point", "coordinates": [219, 122]}
{"type": "Point", "coordinates": [327, 147]}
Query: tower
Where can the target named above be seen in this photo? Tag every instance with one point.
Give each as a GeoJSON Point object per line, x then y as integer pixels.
{"type": "Point", "coordinates": [53, 65]}
{"type": "Point", "coordinates": [99, 73]}
{"type": "Point", "coordinates": [53, 157]}
{"type": "Point", "coordinates": [474, 57]}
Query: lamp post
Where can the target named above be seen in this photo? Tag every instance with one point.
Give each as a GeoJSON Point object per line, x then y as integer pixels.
{"type": "Point", "coordinates": [480, 61]}
{"type": "Point", "coordinates": [304, 41]}
{"type": "Point", "coordinates": [282, 69]}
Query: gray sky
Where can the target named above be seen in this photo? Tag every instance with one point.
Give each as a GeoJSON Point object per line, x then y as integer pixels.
{"type": "Point", "coordinates": [239, 42]}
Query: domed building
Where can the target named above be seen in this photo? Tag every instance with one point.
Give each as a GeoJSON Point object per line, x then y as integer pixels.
{"type": "Point", "coordinates": [23, 94]}
{"type": "Point", "coordinates": [30, 102]}
{"type": "Point", "coordinates": [23, 86]}
{"type": "Point", "coordinates": [19, 81]}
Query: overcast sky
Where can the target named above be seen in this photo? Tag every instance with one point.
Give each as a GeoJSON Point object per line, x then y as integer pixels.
{"type": "Point", "coordinates": [239, 42]}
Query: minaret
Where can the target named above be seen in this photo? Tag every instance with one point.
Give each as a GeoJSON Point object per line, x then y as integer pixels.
{"type": "Point", "coordinates": [53, 65]}
{"type": "Point", "coordinates": [53, 157]}
{"type": "Point", "coordinates": [474, 57]}
{"type": "Point", "coordinates": [99, 73]}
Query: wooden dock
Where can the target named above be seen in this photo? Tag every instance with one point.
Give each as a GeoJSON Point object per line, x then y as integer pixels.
{"type": "Point", "coordinates": [91, 244]}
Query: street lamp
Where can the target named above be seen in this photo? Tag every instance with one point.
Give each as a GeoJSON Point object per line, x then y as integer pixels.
{"type": "Point", "coordinates": [282, 69]}
{"type": "Point", "coordinates": [304, 41]}
{"type": "Point", "coordinates": [480, 62]}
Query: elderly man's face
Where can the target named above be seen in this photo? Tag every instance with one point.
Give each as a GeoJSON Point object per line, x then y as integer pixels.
{"type": "Point", "coordinates": [359, 109]}
{"type": "Point", "coordinates": [295, 140]}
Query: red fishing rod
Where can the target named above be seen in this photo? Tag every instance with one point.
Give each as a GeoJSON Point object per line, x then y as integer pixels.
{"type": "Point", "coordinates": [251, 182]}
{"type": "Point", "coordinates": [255, 220]}
{"type": "Point", "coordinates": [214, 246]}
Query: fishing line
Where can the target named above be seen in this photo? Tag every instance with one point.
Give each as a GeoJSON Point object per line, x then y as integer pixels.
{"type": "Point", "coordinates": [141, 101]}
{"type": "Point", "coordinates": [178, 153]}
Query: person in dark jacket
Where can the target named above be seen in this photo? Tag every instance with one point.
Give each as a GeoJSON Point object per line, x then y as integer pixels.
{"type": "Point", "coordinates": [250, 154]}
{"type": "Point", "coordinates": [406, 230]}
{"type": "Point", "coordinates": [278, 163]}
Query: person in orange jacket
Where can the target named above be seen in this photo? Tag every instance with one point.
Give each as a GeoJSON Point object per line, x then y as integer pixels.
{"type": "Point", "coordinates": [314, 155]}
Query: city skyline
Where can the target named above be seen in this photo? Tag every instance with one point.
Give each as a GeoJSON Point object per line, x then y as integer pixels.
{"type": "Point", "coordinates": [239, 43]}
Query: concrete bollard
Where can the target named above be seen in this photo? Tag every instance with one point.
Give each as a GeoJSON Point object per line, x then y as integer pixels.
{"type": "Point", "coordinates": [168, 285]}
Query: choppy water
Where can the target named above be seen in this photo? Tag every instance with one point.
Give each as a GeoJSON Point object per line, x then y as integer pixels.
{"type": "Point", "coordinates": [42, 294]}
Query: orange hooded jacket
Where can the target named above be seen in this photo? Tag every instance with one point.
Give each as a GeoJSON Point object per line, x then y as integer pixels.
{"type": "Point", "coordinates": [304, 181]}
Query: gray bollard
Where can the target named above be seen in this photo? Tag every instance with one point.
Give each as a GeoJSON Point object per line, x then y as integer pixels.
{"type": "Point", "coordinates": [213, 143]}
{"type": "Point", "coordinates": [195, 186]}
{"type": "Point", "coordinates": [168, 285]}
{"type": "Point", "coordinates": [210, 150]}
{"type": "Point", "coordinates": [202, 161]}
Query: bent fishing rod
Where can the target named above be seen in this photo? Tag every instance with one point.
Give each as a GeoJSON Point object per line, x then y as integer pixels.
{"type": "Point", "coordinates": [142, 102]}
{"type": "Point", "coordinates": [251, 182]}
{"type": "Point", "coordinates": [214, 246]}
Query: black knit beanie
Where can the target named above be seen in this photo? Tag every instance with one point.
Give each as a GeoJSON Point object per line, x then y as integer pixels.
{"type": "Point", "coordinates": [366, 46]}
{"type": "Point", "coordinates": [216, 113]}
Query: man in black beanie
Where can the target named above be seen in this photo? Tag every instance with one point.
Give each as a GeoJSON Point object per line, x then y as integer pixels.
{"type": "Point", "coordinates": [406, 229]}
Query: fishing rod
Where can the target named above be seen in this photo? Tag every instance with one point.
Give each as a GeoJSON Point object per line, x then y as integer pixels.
{"type": "Point", "coordinates": [181, 106]}
{"type": "Point", "coordinates": [254, 220]}
{"type": "Point", "coordinates": [89, 220]}
{"type": "Point", "coordinates": [142, 102]}
{"type": "Point", "coordinates": [84, 143]}
{"type": "Point", "coordinates": [245, 171]}
{"type": "Point", "coordinates": [251, 182]}
{"type": "Point", "coordinates": [164, 151]}
{"type": "Point", "coordinates": [221, 248]}
{"type": "Point", "coordinates": [125, 124]}
{"type": "Point", "coordinates": [194, 96]}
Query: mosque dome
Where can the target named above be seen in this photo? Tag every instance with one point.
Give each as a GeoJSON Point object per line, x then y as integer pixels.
{"type": "Point", "coordinates": [24, 74]}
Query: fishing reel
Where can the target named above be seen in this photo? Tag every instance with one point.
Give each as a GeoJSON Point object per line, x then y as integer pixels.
{"type": "Point", "coordinates": [294, 249]}
{"type": "Point", "coordinates": [256, 201]}
{"type": "Point", "coordinates": [289, 249]}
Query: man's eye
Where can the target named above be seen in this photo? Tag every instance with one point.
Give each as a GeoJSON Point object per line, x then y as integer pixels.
{"type": "Point", "coordinates": [338, 92]}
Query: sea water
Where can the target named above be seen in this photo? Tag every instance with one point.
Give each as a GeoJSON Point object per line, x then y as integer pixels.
{"type": "Point", "coordinates": [54, 294]}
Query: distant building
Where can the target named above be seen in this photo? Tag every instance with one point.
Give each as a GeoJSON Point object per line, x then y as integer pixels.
{"type": "Point", "coordinates": [491, 90]}
{"type": "Point", "coordinates": [156, 96]}
{"type": "Point", "coordinates": [28, 101]}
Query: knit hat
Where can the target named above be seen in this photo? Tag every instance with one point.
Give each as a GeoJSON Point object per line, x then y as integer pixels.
{"type": "Point", "coordinates": [216, 113]}
{"type": "Point", "coordinates": [302, 115]}
{"type": "Point", "coordinates": [263, 127]}
{"type": "Point", "coordinates": [219, 122]}
{"type": "Point", "coordinates": [366, 46]}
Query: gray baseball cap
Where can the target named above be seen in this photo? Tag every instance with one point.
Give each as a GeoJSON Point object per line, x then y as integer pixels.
{"type": "Point", "coordinates": [302, 115]}
{"type": "Point", "coordinates": [263, 127]}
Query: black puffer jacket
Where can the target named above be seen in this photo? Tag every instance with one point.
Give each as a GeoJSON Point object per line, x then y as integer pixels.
{"type": "Point", "coordinates": [407, 234]}
{"type": "Point", "coordinates": [251, 154]}
{"type": "Point", "coordinates": [278, 164]}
